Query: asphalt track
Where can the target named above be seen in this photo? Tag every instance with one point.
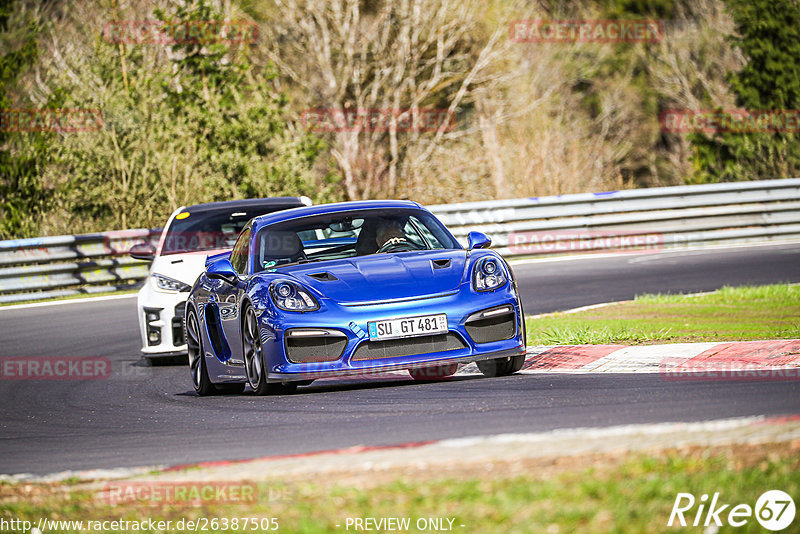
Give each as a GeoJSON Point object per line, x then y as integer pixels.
{"type": "Point", "coordinates": [150, 415]}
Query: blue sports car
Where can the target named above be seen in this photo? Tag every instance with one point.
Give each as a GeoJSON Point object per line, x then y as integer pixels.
{"type": "Point", "coordinates": [347, 289]}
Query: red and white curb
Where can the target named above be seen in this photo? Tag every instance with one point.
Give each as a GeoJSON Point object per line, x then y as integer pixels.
{"type": "Point", "coordinates": [744, 359]}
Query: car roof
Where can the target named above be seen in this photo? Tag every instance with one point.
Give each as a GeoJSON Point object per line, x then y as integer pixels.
{"type": "Point", "coordinates": [228, 205]}
{"type": "Point", "coordinates": [337, 207]}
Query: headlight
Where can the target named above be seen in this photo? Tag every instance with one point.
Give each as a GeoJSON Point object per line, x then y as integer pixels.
{"type": "Point", "coordinates": [489, 274]}
{"type": "Point", "coordinates": [168, 284]}
{"type": "Point", "coordinates": [291, 297]}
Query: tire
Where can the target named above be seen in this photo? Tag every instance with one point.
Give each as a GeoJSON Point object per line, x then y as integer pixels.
{"type": "Point", "coordinates": [501, 366]}
{"type": "Point", "coordinates": [254, 363]}
{"type": "Point", "coordinates": [436, 372]}
{"type": "Point", "coordinates": [197, 361]}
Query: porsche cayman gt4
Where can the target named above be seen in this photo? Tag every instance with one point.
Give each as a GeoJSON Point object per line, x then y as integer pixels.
{"type": "Point", "coordinates": [348, 289]}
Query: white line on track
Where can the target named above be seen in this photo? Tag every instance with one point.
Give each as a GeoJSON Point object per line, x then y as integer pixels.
{"type": "Point", "coordinates": [66, 301]}
{"type": "Point", "coordinates": [589, 433]}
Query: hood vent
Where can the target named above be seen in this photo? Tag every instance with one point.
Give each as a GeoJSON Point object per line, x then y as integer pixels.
{"type": "Point", "coordinates": [323, 277]}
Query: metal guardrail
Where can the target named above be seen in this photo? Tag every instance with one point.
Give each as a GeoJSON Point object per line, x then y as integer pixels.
{"type": "Point", "coordinates": [638, 219]}
{"type": "Point", "coordinates": [58, 266]}
{"type": "Point", "coordinates": [635, 219]}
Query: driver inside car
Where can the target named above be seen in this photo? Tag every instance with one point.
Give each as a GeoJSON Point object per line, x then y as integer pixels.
{"type": "Point", "coordinates": [389, 232]}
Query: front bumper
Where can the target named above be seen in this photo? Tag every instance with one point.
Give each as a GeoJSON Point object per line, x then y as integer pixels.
{"type": "Point", "coordinates": [350, 323]}
{"type": "Point", "coordinates": [378, 369]}
{"type": "Point", "coordinates": [163, 336]}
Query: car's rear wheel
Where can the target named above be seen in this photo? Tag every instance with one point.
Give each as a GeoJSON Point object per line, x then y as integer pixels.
{"type": "Point", "coordinates": [254, 362]}
{"type": "Point", "coordinates": [501, 366]}
{"type": "Point", "coordinates": [197, 363]}
{"type": "Point", "coordinates": [436, 372]}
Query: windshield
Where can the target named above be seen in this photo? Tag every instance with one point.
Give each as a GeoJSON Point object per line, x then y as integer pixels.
{"type": "Point", "coordinates": [349, 234]}
{"type": "Point", "coordinates": [210, 230]}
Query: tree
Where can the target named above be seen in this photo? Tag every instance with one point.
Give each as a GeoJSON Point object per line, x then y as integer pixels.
{"type": "Point", "coordinates": [397, 60]}
{"type": "Point", "coordinates": [22, 194]}
{"type": "Point", "coordinates": [184, 122]}
{"type": "Point", "coordinates": [769, 38]}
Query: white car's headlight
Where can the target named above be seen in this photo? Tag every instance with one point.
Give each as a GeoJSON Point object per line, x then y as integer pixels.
{"type": "Point", "coordinates": [169, 284]}
{"type": "Point", "coordinates": [292, 297]}
{"type": "Point", "coordinates": [488, 274]}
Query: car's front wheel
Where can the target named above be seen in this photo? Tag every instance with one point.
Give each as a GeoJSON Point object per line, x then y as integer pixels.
{"type": "Point", "coordinates": [197, 363]}
{"type": "Point", "coordinates": [254, 354]}
{"type": "Point", "coordinates": [254, 362]}
{"type": "Point", "coordinates": [501, 366]}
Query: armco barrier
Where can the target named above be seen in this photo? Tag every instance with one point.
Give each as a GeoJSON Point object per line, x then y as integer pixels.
{"type": "Point", "coordinates": [664, 217]}
{"type": "Point", "coordinates": [44, 267]}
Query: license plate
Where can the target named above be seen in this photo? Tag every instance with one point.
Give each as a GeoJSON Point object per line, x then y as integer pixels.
{"type": "Point", "coordinates": [407, 327]}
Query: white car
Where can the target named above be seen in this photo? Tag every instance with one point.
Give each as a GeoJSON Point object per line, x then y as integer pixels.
{"type": "Point", "coordinates": [191, 235]}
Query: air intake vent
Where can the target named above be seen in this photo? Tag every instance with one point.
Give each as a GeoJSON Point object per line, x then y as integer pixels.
{"type": "Point", "coordinates": [177, 324]}
{"type": "Point", "coordinates": [441, 264]}
{"type": "Point", "coordinates": [324, 277]}
{"type": "Point", "coordinates": [396, 348]}
{"type": "Point", "coordinates": [308, 345]}
{"type": "Point", "coordinates": [495, 324]}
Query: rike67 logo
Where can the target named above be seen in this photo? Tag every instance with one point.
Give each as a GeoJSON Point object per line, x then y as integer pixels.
{"type": "Point", "coordinates": [774, 510]}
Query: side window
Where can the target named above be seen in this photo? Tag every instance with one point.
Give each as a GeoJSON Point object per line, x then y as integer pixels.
{"type": "Point", "coordinates": [241, 252]}
{"type": "Point", "coordinates": [430, 239]}
{"type": "Point", "coordinates": [412, 234]}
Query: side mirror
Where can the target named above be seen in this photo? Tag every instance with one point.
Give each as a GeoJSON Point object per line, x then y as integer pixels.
{"type": "Point", "coordinates": [142, 251]}
{"type": "Point", "coordinates": [222, 270]}
{"type": "Point", "coordinates": [478, 240]}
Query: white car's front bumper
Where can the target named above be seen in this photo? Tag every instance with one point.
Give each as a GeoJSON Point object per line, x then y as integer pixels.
{"type": "Point", "coordinates": [161, 321]}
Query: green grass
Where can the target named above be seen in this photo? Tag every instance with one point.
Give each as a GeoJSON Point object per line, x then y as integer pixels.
{"type": "Point", "coordinates": [625, 494]}
{"type": "Point", "coordinates": [73, 297]}
{"type": "Point", "coordinates": [729, 314]}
